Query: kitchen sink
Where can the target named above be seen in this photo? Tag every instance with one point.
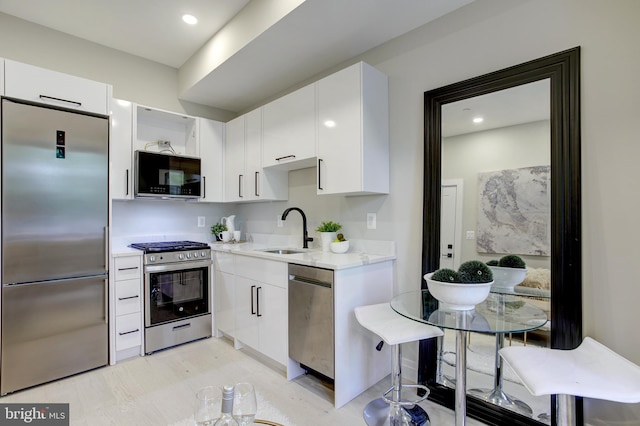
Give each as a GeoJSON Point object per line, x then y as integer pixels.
{"type": "Point", "coordinates": [283, 251]}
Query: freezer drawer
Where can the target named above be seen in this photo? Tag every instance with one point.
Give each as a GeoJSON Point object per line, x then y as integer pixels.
{"type": "Point", "coordinates": [51, 330]}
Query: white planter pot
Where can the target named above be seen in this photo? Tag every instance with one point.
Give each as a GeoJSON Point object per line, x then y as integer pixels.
{"type": "Point", "coordinates": [507, 278]}
{"type": "Point", "coordinates": [458, 296]}
{"type": "Point", "coordinates": [327, 238]}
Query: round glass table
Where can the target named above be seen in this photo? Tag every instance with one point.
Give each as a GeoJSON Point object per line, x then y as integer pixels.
{"type": "Point", "coordinates": [498, 314]}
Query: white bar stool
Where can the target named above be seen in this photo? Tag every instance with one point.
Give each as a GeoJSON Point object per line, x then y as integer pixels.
{"type": "Point", "coordinates": [394, 329]}
{"type": "Point", "coordinates": [591, 370]}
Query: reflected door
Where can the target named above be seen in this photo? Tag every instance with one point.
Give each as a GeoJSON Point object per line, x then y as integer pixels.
{"type": "Point", "coordinates": [448, 227]}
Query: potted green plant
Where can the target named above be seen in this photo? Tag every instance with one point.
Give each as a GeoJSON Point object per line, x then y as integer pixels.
{"type": "Point", "coordinates": [217, 228]}
{"type": "Point", "coordinates": [508, 271]}
{"type": "Point", "coordinates": [328, 232]}
{"type": "Point", "coordinates": [462, 289]}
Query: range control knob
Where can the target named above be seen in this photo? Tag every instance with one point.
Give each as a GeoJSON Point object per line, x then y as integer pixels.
{"type": "Point", "coordinates": [188, 255]}
{"type": "Point", "coordinates": [196, 254]}
{"type": "Point", "coordinates": [181, 256]}
{"type": "Point", "coordinates": [152, 258]}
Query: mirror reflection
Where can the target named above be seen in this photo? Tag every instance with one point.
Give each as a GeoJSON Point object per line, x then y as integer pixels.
{"type": "Point", "coordinates": [496, 202]}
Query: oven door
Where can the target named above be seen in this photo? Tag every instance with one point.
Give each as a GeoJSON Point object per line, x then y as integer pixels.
{"type": "Point", "coordinates": [176, 291]}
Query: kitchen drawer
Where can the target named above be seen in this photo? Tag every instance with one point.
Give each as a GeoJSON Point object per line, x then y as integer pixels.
{"type": "Point", "coordinates": [128, 298]}
{"type": "Point", "coordinates": [128, 331]}
{"type": "Point", "coordinates": [128, 267]}
{"type": "Point", "coordinates": [266, 271]}
{"type": "Point", "coordinates": [41, 85]}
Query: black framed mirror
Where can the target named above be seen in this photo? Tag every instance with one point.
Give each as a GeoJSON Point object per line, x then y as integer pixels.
{"type": "Point", "coordinates": [563, 73]}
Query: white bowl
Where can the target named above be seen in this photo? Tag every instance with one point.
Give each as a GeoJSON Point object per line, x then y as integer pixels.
{"type": "Point", "coordinates": [458, 296]}
{"type": "Point", "coordinates": [507, 277]}
{"type": "Point", "coordinates": [340, 247]}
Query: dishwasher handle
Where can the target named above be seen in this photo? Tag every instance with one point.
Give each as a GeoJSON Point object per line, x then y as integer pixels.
{"type": "Point", "coordinates": [310, 281]}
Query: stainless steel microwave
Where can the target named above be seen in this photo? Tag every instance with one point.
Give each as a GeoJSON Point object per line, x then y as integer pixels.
{"type": "Point", "coordinates": [166, 175]}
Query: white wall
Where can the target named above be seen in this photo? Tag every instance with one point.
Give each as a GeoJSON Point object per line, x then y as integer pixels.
{"type": "Point", "coordinates": [485, 36]}
{"type": "Point", "coordinates": [513, 147]}
{"type": "Point", "coordinates": [469, 43]}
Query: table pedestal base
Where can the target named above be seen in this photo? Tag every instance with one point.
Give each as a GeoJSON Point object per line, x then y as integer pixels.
{"type": "Point", "coordinates": [376, 413]}
{"type": "Point", "coordinates": [501, 399]}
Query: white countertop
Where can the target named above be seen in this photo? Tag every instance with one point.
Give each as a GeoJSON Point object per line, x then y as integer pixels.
{"type": "Point", "coordinates": [310, 257]}
{"type": "Point", "coordinates": [361, 252]}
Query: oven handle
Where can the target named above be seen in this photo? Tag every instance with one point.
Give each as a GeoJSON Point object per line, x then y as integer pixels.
{"type": "Point", "coordinates": [177, 266]}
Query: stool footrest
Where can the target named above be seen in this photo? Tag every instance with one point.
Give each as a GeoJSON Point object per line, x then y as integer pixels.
{"type": "Point", "coordinates": [407, 403]}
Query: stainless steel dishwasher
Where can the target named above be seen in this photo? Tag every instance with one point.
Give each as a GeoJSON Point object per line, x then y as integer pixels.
{"type": "Point", "coordinates": [311, 318]}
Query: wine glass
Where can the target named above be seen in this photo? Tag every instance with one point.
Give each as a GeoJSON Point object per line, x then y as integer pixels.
{"type": "Point", "coordinates": [245, 405]}
{"type": "Point", "coordinates": [207, 408]}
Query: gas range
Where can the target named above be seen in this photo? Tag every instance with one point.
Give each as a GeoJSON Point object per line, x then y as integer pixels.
{"type": "Point", "coordinates": [173, 251]}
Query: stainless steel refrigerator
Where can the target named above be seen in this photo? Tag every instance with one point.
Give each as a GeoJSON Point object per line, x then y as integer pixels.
{"type": "Point", "coordinates": [54, 246]}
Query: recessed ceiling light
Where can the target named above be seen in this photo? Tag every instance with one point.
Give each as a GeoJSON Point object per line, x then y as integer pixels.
{"type": "Point", "coordinates": [478, 120]}
{"type": "Point", "coordinates": [190, 19]}
{"type": "Point", "coordinates": [330, 123]}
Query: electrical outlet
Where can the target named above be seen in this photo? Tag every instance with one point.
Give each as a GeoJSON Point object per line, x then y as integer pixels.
{"type": "Point", "coordinates": [471, 235]}
{"type": "Point", "coordinates": [201, 222]}
{"type": "Point", "coordinates": [280, 221]}
{"type": "Point", "coordinates": [164, 144]}
{"type": "Point", "coordinates": [371, 221]}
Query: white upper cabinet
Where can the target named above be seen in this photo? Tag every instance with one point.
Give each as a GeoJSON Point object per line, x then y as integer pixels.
{"type": "Point", "coordinates": [121, 150]}
{"type": "Point", "coordinates": [353, 132]}
{"type": "Point", "coordinates": [245, 179]}
{"type": "Point", "coordinates": [234, 160]}
{"type": "Point", "coordinates": [290, 130]}
{"type": "Point", "coordinates": [154, 126]}
{"type": "Point", "coordinates": [37, 84]}
{"type": "Point", "coordinates": [211, 154]}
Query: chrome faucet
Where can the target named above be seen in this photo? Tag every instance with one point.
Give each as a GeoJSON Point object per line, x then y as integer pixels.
{"type": "Point", "coordinates": [305, 234]}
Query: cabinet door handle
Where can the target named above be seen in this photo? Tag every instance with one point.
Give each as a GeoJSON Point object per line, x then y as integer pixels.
{"type": "Point", "coordinates": [129, 297]}
{"type": "Point", "coordinates": [126, 182]}
{"type": "Point", "coordinates": [204, 186]}
{"type": "Point", "coordinates": [253, 311]}
{"type": "Point", "coordinates": [256, 182]}
{"type": "Point", "coordinates": [319, 175]}
{"type": "Point", "coordinates": [258, 302]}
{"type": "Point", "coordinates": [240, 186]}
{"type": "Point", "coordinates": [128, 269]}
{"type": "Point", "coordinates": [286, 156]}
{"type": "Point", "coordinates": [129, 332]}
{"type": "Point", "coordinates": [61, 100]}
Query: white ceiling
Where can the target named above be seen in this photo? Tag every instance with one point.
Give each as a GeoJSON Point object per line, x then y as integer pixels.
{"type": "Point", "coordinates": [316, 36]}
{"type": "Point", "coordinates": [517, 105]}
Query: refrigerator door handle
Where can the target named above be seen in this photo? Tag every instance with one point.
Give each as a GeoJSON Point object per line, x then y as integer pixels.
{"type": "Point", "coordinates": [106, 248]}
{"type": "Point", "coordinates": [60, 280]}
{"type": "Point", "coordinates": [106, 300]}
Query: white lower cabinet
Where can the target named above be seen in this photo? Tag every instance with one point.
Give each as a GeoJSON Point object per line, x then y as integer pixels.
{"type": "Point", "coordinates": [224, 304]}
{"type": "Point", "coordinates": [261, 317]}
{"type": "Point", "coordinates": [250, 300]}
{"type": "Point", "coordinates": [261, 308]}
{"type": "Point", "coordinates": [128, 324]}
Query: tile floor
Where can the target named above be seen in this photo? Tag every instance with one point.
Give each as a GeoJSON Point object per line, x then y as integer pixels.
{"type": "Point", "coordinates": [160, 389]}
